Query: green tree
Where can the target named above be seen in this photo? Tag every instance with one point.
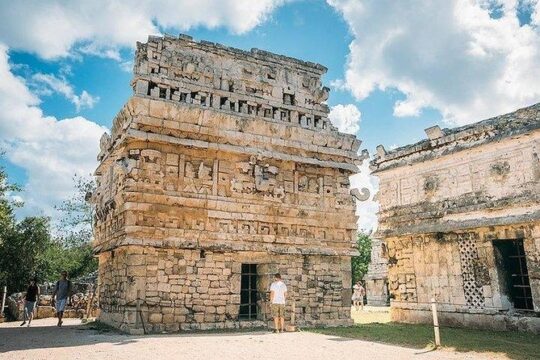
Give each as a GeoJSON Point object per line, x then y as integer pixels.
{"type": "Point", "coordinates": [7, 205]}
{"type": "Point", "coordinates": [360, 263]}
{"type": "Point", "coordinates": [71, 249]}
{"type": "Point", "coordinates": [20, 252]}
{"type": "Point", "coordinates": [76, 260]}
{"type": "Point", "coordinates": [27, 248]}
{"type": "Point", "coordinates": [74, 227]}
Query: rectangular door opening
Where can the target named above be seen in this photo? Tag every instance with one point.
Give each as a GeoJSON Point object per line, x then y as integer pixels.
{"type": "Point", "coordinates": [248, 292]}
{"type": "Point", "coordinates": [512, 268]}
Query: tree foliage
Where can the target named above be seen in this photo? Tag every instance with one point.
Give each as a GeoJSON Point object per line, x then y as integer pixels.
{"type": "Point", "coordinates": [360, 263]}
{"type": "Point", "coordinates": [74, 227]}
{"type": "Point", "coordinates": [6, 204]}
{"type": "Point", "coordinates": [28, 248]}
{"type": "Point", "coordinates": [20, 252]}
{"type": "Point", "coordinates": [77, 260]}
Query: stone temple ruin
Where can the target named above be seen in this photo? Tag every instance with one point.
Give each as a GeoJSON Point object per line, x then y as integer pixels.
{"type": "Point", "coordinates": [376, 279]}
{"type": "Point", "coordinates": [460, 216]}
{"type": "Point", "coordinates": [221, 170]}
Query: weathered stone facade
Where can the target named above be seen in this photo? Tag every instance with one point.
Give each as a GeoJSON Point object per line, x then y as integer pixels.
{"type": "Point", "coordinates": [376, 279]}
{"type": "Point", "coordinates": [223, 160]}
{"type": "Point", "coordinates": [460, 216]}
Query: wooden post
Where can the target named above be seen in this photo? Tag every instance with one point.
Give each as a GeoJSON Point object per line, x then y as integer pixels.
{"type": "Point", "coordinates": [90, 301]}
{"type": "Point", "coordinates": [435, 322]}
{"type": "Point", "coordinates": [3, 301]}
{"type": "Point", "coordinates": [138, 309]}
{"type": "Point", "coordinates": [293, 313]}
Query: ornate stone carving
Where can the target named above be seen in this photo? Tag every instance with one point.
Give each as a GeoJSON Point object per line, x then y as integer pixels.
{"type": "Point", "coordinates": [204, 176]}
{"type": "Point", "coordinates": [499, 170]}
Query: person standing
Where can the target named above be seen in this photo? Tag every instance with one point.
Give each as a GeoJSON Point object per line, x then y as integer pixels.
{"type": "Point", "coordinates": [358, 295]}
{"type": "Point", "coordinates": [30, 299]}
{"type": "Point", "coordinates": [62, 291]}
{"type": "Point", "coordinates": [278, 297]}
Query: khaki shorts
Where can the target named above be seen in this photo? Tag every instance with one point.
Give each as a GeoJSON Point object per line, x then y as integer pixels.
{"type": "Point", "coordinates": [278, 310]}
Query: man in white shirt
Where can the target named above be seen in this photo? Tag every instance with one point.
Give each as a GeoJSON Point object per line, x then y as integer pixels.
{"type": "Point", "coordinates": [278, 296]}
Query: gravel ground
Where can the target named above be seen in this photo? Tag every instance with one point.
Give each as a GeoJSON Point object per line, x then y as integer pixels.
{"type": "Point", "coordinates": [45, 341]}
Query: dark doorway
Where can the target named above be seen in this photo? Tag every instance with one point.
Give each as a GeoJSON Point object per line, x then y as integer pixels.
{"type": "Point", "coordinates": [248, 292]}
{"type": "Point", "coordinates": [512, 267]}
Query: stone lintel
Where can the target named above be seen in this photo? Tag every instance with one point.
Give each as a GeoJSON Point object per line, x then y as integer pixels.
{"type": "Point", "coordinates": [224, 247]}
{"type": "Point", "coordinates": [448, 226]}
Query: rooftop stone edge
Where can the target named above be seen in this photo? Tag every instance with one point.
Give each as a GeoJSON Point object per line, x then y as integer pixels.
{"type": "Point", "coordinates": [253, 53]}
{"type": "Point", "coordinates": [446, 141]}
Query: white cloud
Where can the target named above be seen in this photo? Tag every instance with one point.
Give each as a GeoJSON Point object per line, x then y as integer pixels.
{"type": "Point", "coordinates": [50, 150]}
{"type": "Point", "coordinates": [346, 118]}
{"type": "Point", "coordinates": [449, 55]}
{"type": "Point", "coordinates": [54, 28]}
{"type": "Point", "coordinates": [63, 87]}
{"type": "Point", "coordinates": [366, 210]}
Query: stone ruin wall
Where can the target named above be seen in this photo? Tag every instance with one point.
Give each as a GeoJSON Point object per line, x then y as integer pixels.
{"type": "Point", "coordinates": [223, 157]}
{"type": "Point", "coordinates": [461, 190]}
{"type": "Point", "coordinates": [186, 291]}
{"type": "Point", "coordinates": [376, 278]}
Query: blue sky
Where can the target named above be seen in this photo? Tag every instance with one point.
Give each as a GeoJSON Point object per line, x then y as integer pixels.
{"type": "Point", "coordinates": [397, 68]}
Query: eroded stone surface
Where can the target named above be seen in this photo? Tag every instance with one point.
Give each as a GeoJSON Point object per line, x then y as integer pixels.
{"type": "Point", "coordinates": [376, 279]}
{"type": "Point", "coordinates": [444, 201]}
{"type": "Point", "coordinates": [221, 158]}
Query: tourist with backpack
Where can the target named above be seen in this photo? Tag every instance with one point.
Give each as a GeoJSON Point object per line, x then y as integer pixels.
{"type": "Point", "coordinates": [62, 291]}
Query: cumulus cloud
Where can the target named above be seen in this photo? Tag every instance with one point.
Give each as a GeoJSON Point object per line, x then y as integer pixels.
{"type": "Point", "coordinates": [55, 28]}
{"type": "Point", "coordinates": [346, 118]}
{"type": "Point", "coordinates": [51, 150]}
{"type": "Point", "coordinates": [60, 85]}
{"type": "Point", "coordinates": [468, 59]}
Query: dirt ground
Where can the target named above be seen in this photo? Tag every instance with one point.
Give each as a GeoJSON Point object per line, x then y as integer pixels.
{"type": "Point", "coordinates": [75, 341]}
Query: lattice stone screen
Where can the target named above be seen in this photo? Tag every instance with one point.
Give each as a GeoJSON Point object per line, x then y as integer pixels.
{"type": "Point", "coordinates": [468, 254]}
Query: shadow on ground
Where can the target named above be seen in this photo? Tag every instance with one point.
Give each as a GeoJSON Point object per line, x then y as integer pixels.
{"type": "Point", "coordinates": [515, 345]}
{"type": "Point", "coordinates": [49, 336]}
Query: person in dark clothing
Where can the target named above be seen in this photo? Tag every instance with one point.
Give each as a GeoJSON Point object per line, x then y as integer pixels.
{"type": "Point", "coordinates": [30, 299]}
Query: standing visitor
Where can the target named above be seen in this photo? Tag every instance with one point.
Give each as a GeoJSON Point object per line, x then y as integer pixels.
{"type": "Point", "coordinates": [358, 295]}
{"type": "Point", "coordinates": [30, 299]}
{"type": "Point", "coordinates": [62, 291]}
{"type": "Point", "coordinates": [278, 296]}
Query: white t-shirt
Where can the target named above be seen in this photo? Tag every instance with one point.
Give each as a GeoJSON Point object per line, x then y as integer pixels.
{"type": "Point", "coordinates": [279, 288]}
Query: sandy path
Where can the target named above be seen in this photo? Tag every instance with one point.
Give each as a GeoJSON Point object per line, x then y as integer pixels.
{"type": "Point", "coordinates": [45, 341]}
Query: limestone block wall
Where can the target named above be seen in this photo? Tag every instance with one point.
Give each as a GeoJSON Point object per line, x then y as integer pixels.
{"type": "Point", "coordinates": [194, 289]}
{"type": "Point", "coordinates": [195, 198]}
{"type": "Point", "coordinates": [446, 202]}
{"type": "Point", "coordinates": [255, 82]}
{"type": "Point", "coordinates": [459, 271]}
{"type": "Point", "coordinates": [223, 157]}
{"type": "Point", "coordinates": [501, 176]}
{"type": "Point", "coordinates": [376, 279]}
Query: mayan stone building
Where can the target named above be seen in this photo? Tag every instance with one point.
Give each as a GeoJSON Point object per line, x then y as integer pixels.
{"type": "Point", "coordinates": [376, 279]}
{"type": "Point", "coordinates": [221, 170]}
{"type": "Point", "coordinates": [460, 217]}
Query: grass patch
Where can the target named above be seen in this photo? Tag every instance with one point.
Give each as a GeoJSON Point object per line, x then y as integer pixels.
{"type": "Point", "coordinates": [515, 345]}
